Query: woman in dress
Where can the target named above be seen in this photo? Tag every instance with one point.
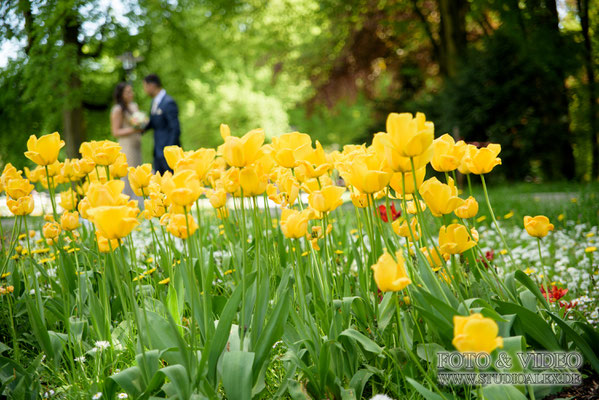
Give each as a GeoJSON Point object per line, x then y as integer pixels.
{"type": "Point", "coordinates": [129, 137]}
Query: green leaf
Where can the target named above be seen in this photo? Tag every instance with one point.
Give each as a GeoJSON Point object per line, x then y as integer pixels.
{"type": "Point", "coordinates": [533, 325]}
{"type": "Point", "coordinates": [179, 380]}
{"type": "Point", "coordinates": [502, 392]}
{"type": "Point", "coordinates": [532, 286]}
{"type": "Point", "coordinates": [580, 343]}
{"type": "Point", "coordinates": [130, 380]}
{"type": "Point", "coordinates": [366, 343]}
{"type": "Point", "coordinates": [359, 380]}
{"type": "Point", "coordinates": [426, 393]}
{"type": "Point", "coordinates": [237, 374]}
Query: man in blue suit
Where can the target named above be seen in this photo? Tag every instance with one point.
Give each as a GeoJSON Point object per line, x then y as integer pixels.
{"type": "Point", "coordinates": [164, 119]}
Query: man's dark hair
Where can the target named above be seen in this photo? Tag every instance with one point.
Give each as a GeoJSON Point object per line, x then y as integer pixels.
{"type": "Point", "coordinates": [153, 78]}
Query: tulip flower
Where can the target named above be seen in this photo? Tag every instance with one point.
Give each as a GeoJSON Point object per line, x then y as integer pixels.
{"type": "Point", "coordinates": [9, 172]}
{"type": "Point", "coordinates": [240, 152]}
{"type": "Point", "coordinates": [44, 151]}
{"type": "Point", "coordinates": [327, 199]}
{"type": "Point", "coordinates": [18, 187]}
{"type": "Point", "coordinates": [230, 181]}
{"type": "Point", "coordinates": [103, 153]}
{"type": "Point", "coordinates": [441, 198]}
{"type": "Point", "coordinates": [106, 194]}
{"type": "Point", "coordinates": [50, 231]}
{"type": "Point", "coordinates": [104, 245]}
{"type": "Point", "coordinates": [294, 224]}
{"type": "Point", "coordinates": [538, 226]}
{"type": "Point", "coordinates": [139, 178]}
{"type": "Point", "coordinates": [68, 200]}
{"type": "Point", "coordinates": [172, 155]}
{"type": "Point", "coordinates": [69, 170]}
{"type": "Point", "coordinates": [390, 274]}
{"type": "Point", "coordinates": [447, 154]}
{"type": "Point", "coordinates": [199, 161]}
{"type": "Point", "coordinates": [401, 228]}
{"type": "Point", "coordinates": [178, 224]}
{"type": "Point", "coordinates": [412, 206]}
{"type": "Point", "coordinates": [360, 200]}
{"type": "Point", "coordinates": [252, 181]}
{"type": "Point", "coordinates": [69, 221]}
{"type": "Point", "coordinates": [314, 165]}
{"type": "Point", "coordinates": [468, 151]}
{"type": "Point", "coordinates": [154, 206]}
{"type": "Point", "coordinates": [467, 210]}
{"type": "Point", "coordinates": [433, 257]}
{"type": "Point", "coordinates": [114, 222]}
{"type": "Point", "coordinates": [22, 206]}
{"type": "Point", "coordinates": [84, 166]}
{"type": "Point", "coordinates": [475, 334]}
{"type": "Point", "coordinates": [397, 184]}
{"type": "Point", "coordinates": [410, 136]}
{"type": "Point", "coordinates": [291, 148]}
{"type": "Point", "coordinates": [455, 239]}
{"type": "Point", "coordinates": [483, 160]}
{"type": "Point", "coordinates": [119, 168]}
{"type": "Point", "coordinates": [369, 173]}
{"type": "Point", "coordinates": [218, 198]}
{"type": "Point", "coordinates": [183, 188]}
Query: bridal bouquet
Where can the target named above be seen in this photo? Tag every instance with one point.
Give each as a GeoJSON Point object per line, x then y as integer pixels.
{"type": "Point", "coordinates": [138, 119]}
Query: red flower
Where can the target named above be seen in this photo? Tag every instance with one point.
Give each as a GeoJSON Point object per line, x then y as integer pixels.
{"type": "Point", "coordinates": [555, 293]}
{"type": "Point", "coordinates": [489, 256]}
{"type": "Point", "coordinates": [568, 304]}
{"type": "Point", "coordinates": [384, 215]}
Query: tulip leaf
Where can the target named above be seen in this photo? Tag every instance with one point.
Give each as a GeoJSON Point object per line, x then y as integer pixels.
{"type": "Point", "coordinates": [367, 344]}
{"type": "Point", "coordinates": [580, 343]}
{"type": "Point", "coordinates": [532, 324]}
{"type": "Point", "coordinates": [532, 286]}
{"type": "Point", "coordinates": [502, 392]}
{"type": "Point", "coordinates": [426, 393]}
{"type": "Point", "coordinates": [237, 374]}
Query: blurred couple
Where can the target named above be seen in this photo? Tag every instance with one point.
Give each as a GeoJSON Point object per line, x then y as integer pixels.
{"type": "Point", "coordinates": [128, 123]}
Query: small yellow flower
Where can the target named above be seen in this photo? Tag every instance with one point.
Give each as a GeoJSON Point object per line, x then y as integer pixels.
{"type": "Point", "coordinates": [590, 249]}
{"type": "Point", "coordinates": [164, 281]}
{"type": "Point", "coordinates": [529, 271]}
{"type": "Point", "coordinates": [475, 333]}
{"type": "Point", "coordinates": [574, 200]}
{"type": "Point", "coordinates": [561, 217]}
{"type": "Point", "coordinates": [481, 218]}
{"type": "Point", "coordinates": [508, 215]}
{"type": "Point", "coordinates": [590, 234]}
{"type": "Point", "coordinates": [338, 251]}
{"type": "Point", "coordinates": [503, 252]}
{"type": "Point", "coordinates": [4, 275]}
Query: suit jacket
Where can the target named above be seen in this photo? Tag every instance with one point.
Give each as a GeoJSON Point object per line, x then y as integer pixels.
{"type": "Point", "coordinates": [167, 131]}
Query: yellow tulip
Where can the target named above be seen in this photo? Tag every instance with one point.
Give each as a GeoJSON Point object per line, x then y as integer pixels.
{"type": "Point", "coordinates": [410, 136]}
{"type": "Point", "coordinates": [475, 334]}
{"type": "Point", "coordinates": [390, 274]}
{"type": "Point", "coordinates": [294, 224]}
{"type": "Point", "coordinates": [35, 175]}
{"type": "Point", "coordinates": [327, 199]}
{"type": "Point", "coordinates": [69, 220]}
{"type": "Point", "coordinates": [104, 245]}
{"type": "Point", "coordinates": [314, 165]}
{"type": "Point", "coordinates": [139, 179]}
{"type": "Point", "coordinates": [183, 188]}
{"type": "Point", "coordinates": [483, 160]}
{"type": "Point", "coordinates": [18, 187]}
{"type": "Point", "coordinates": [68, 200]}
{"type": "Point", "coordinates": [455, 239]}
{"type": "Point", "coordinates": [69, 171]}
{"type": "Point", "coordinates": [240, 152]}
{"type": "Point", "coordinates": [432, 256]}
{"type": "Point", "coordinates": [114, 222]}
{"type": "Point", "coordinates": [400, 227]}
{"type": "Point", "coordinates": [440, 198]}
{"type": "Point", "coordinates": [154, 206]}
{"type": "Point", "coordinates": [22, 206]}
{"type": "Point", "coordinates": [369, 173]}
{"type": "Point", "coordinates": [447, 154]}
{"type": "Point", "coordinates": [218, 198]}
{"type": "Point", "coordinates": [199, 161]}
{"type": "Point", "coordinates": [225, 131]}
{"type": "Point", "coordinates": [84, 166]}
{"type": "Point", "coordinates": [467, 210]}
{"type": "Point", "coordinates": [103, 153]}
{"type": "Point", "coordinates": [106, 194]}
{"type": "Point", "coordinates": [9, 172]}
{"type": "Point", "coordinates": [398, 186]}
{"type": "Point", "coordinates": [463, 167]}
{"type": "Point", "coordinates": [230, 181]}
{"type": "Point", "coordinates": [288, 189]}
{"type": "Point", "coordinates": [252, 181]}
{"type": "Point", "coordinates": [173, 154]}
{"type": "Point", "coordinates": [413, 209]}
{"type": "Point", "coordinates": [50, 231]}
{"type": "Point", "coordinates": [538, 226]}
{"type": "Point", "coordinates": [44, 151]}
{"type": "Point", "coordinates": [360, 200]}
{"type": "Point", "coordinates": [290, 148]}
{"type": "Point", "coordinates": [178, 224]}
{"type": "Point", "coordinates": [119, 168]}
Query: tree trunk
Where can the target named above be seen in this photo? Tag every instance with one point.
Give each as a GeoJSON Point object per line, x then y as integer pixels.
{"type": "Point", "coordinates": [73, 118]}
{"type": "Point", "coordinates": [583, 13]}
{"type": "Point", "coordinates": [452, 31]}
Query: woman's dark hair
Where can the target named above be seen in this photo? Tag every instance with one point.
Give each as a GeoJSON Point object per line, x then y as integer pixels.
{"type": "Point", "coordinates": [118, 96]}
